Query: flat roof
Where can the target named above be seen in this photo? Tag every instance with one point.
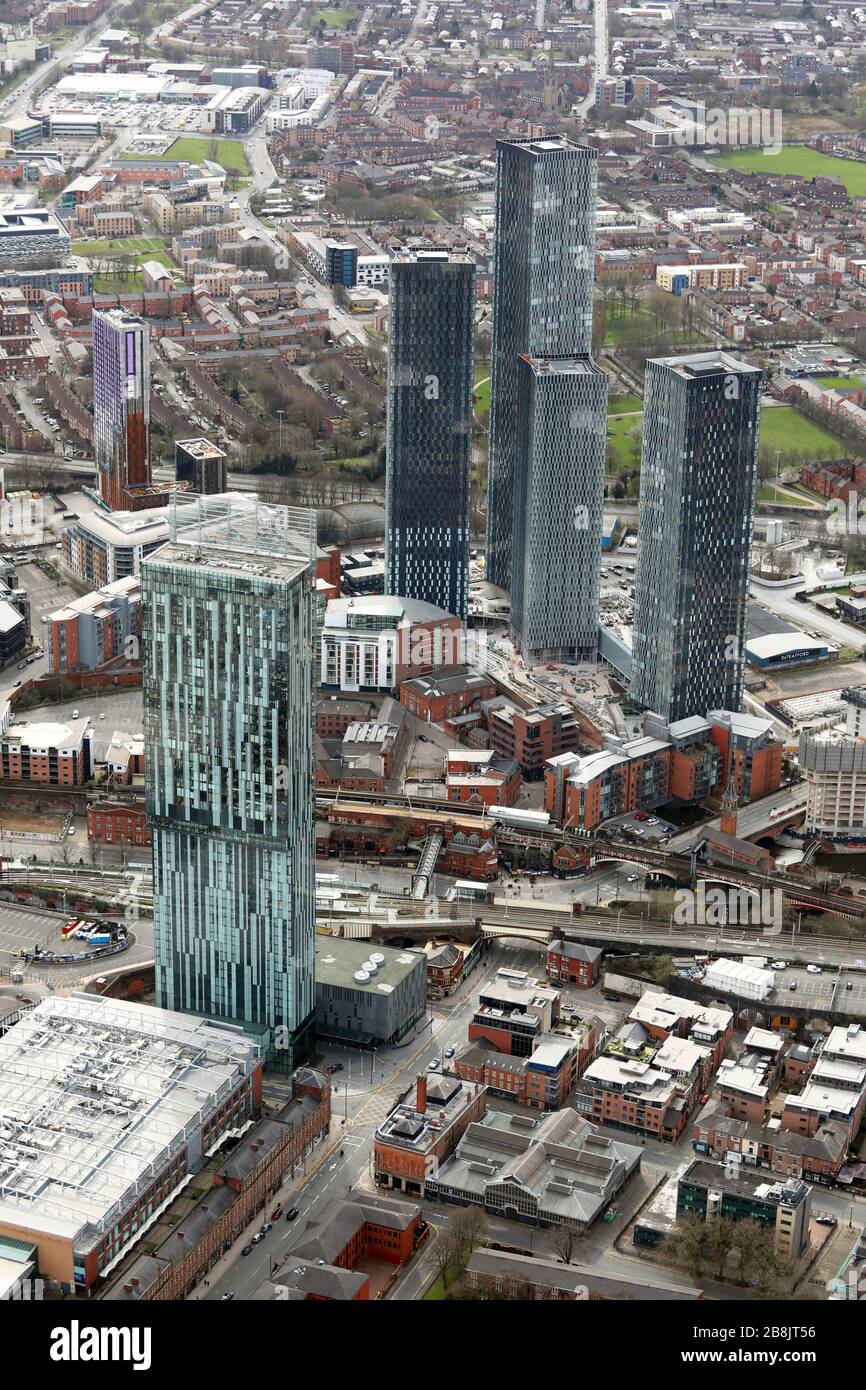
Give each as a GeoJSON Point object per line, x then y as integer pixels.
{"type": "Point", "coordinates": [780, 643]}
{"type": "Point", "coordinates": [96, 1092]}
{"type": "Point", "coordinates": [338, 959]}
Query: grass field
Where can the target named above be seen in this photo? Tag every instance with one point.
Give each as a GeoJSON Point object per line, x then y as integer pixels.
{"type": "Point", "coordinates": [624, 433]}
{"type": "Point", "coordinates": [229, 153]}
{"type": "Point", "coordinates": [624, 404]}
{"type": "Point", "coordinates": [147, 248]}
{"type": "Point", "coordinates": [770, 493]}
{"type": "Point", "coordinates": [783, 427]}
{"type": "Point", "coordinates": [798, 159]}
{"type": "Point", "coordinates": [840, 383]}
{"type": "Point", "coordinates": [334, 19]}
{"type": "Point", "coordinates": [482, 389]}
{"type": "Point", "coordinates": [619, 325]}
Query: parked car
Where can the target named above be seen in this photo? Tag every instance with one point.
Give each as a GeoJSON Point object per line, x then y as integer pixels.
{"type": "Point", "coordinates": [813, 970]}
{"type": "Point", "coordinates": [257, 1237]}
{"type": "Point", "coordinates": [794, 985]}
{"type": "Point", "coordinates": [247, 1250]}
{"type": "Point", "coordinates": [266, 1226]}
{"type": "Point", "coordinates": [826, 1220]}
{"type": "Point", "coordinates": [705, 1097]}
{"type": "Point", "coordinates": [276, 1213]}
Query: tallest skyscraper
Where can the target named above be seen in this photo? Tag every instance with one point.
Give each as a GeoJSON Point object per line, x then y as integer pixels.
{"type": "Point", "coordinates": [543, 276]}
{"type": "Point", "coordinates": [228, 722]}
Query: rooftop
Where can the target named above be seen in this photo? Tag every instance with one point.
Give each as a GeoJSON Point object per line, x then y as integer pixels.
{"type": "Point", "coordinates": [95, 1093]}
{"type": "Point", "coordinates": [339, 962]}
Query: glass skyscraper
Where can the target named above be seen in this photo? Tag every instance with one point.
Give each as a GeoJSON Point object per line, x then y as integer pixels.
{"type": "Point", "coordinates": [558, 499]}
{"type": "Point", "coordinates": [228, 622]}
{"type": "Point", "coordinates": [697, 498]}
{"type": "Point", "coordinates": [543, 276]}
{"type": "Point", "coordinates": [121, 404]}
{"type": "Point", "coordinates": [430, 365]}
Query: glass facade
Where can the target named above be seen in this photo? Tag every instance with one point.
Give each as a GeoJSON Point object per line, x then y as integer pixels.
{"type": "Point", "coordinates": [430, 374]}
{"type": "Point", "coordinates": [121, 403]}
{"type": "Point", "coordinates": [543, 275]}
{"type": "Point", "coordinates": [558, 497]}
{"type": "Point", "coordinates": [697, 497]}
{"type": "Point", "coordinates": [228, 618]}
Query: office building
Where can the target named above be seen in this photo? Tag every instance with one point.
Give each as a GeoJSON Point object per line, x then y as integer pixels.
{"type": "Point", "coordinates": [367, 994]}
{"type": "Point", "coordinates": [228, 621]}
{"type": "Point", "coordinates": [341, 264]}
{"type": "Point", "coordinates": [543, 277]}
{"type": "Point", "coordinates": [32, 232]}
{"type": "Point", "coordinates": [558, 492]}
{"type": "Point", "coordinates": [121, 405]}
{"type": "Point", "coordinates": [201, 464]}
{"type": "Point", "coordinates": [712, 1192]}
{"type": "Point", "coordinates": [374, 642]}
{"type": "Point", "coordinates": [697, 497]}
{"type": "Point", "coordinates": [430, 373]}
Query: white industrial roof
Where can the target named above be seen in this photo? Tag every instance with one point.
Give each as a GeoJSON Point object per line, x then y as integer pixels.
{"type": "Point", "coordinates": [95, 1092]}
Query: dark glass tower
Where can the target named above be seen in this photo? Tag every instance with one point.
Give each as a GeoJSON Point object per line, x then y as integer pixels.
{"type": "Point", "coordinates": [430, 359]}
{"type": "Point", "coordinates": [558, 499]}
{"type": "Point", "coordinates": [543, 275]}
{"type": "Point", "coordinates": [697, 498]}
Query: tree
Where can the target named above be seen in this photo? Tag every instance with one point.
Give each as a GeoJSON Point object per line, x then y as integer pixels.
{"type": "Point", "coordinates": [466, 1227]}
{"type": "Point", "coordinates": [564, 1241]}
{"type": "Point", "coordinates": [444, 1254]}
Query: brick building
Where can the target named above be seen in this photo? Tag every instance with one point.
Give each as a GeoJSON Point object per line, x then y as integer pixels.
{"type": "Point", "coordinates": [423, 1129]}
{"type": "Point", "coordinates": [117, 823]}
{"type": "Point", "coordinates": [570, 962]}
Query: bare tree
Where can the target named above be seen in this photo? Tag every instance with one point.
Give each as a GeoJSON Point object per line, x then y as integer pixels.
{"type": "Point", "coordinates": [564, 1241]}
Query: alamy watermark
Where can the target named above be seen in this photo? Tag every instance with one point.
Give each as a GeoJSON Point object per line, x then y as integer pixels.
{"type": "Point", "coordinates": [741, 126]}
{"type": "Point", "coordinates": [22, 520]}
{"type": "Point", "coordinates": [720, 907]}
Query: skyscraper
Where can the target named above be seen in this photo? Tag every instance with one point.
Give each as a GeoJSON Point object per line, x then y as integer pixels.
{"type": "Point", "coordinates": [558, 496]}
{"type": "Point", "coordinates": [430, 360]}
{"type": "Point", "coordinates": [697, 497]}
{"type": "Point", "coordinates": [228, 622]}
{"type": "Point", "coordinates": [543, 274]}
{"type": "Point", "coordinates": [121, 405]}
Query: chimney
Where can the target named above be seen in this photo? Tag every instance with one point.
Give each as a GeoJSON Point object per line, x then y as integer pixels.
{"type": "Point", "coordinates": [421, 1095]}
